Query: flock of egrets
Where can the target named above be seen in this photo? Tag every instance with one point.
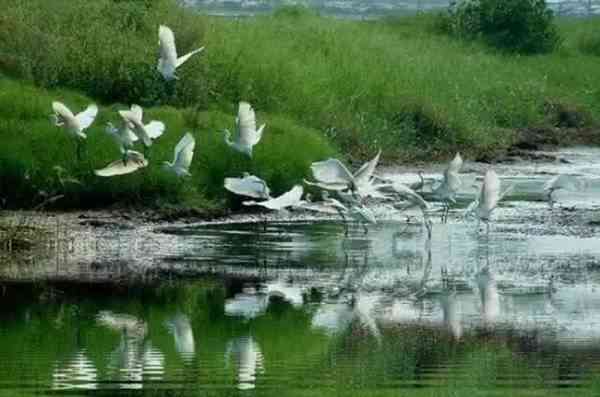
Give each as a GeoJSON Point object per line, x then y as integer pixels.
{"type": "Point", "coordinates": [342, 192]}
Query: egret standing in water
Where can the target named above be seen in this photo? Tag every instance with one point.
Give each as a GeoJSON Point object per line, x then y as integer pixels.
{"type": "Point", "coordinates": [168, 61]}
{"type": "Point", "coordinates": [182, 157]}
{"type": "Point", "coordinates": [246, 136]}
{"type": "Point", "coordinates": [450, 185]}
{"type": "Point", "coordinates": [75, 125]}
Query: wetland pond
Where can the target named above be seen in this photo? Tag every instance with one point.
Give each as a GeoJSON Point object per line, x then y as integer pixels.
{"type": "Point", "coordinates": [294, 307]}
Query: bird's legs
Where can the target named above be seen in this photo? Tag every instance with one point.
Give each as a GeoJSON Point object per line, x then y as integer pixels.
{"type": "Point", "coordinates": [365, 228]}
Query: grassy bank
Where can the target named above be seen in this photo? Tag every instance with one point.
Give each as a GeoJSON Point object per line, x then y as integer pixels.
{"type": "Point", "coordinates": [38, 161]}
{"type": "Point", "coordinates": [396, 84]}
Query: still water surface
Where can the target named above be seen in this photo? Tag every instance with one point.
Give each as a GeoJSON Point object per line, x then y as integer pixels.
{"type": "Point", "coordinates": [300, 308]}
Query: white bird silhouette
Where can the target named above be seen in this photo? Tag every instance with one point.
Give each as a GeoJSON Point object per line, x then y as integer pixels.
{"type": "Point", "coordinates": [249, 186]}
{"type": "Point", "coordinates": [168, 61]}
{"type": "Point", "coordinates": [181, 329]}
{"type": "Point", "coordinates": [332, 174]}
{"type": "Point", "coordinates": [131, 162]}
{"type": "Point", "coordinates": [74, 125]}
{"type": "Point", "coordinates": [124, 137]}
{"type": "Point", "coordinates": [144, 132]}
{"type": "Point", "coordinates": [247, 136]}
{"type": "Point", "coordinates": [182, 157]}
{"type": "Point", "coordinates": [563, 182]}
{"type": "Point", "coordinates": [450, 185]}
{"type": "Point", "coordinates": [291, 198]}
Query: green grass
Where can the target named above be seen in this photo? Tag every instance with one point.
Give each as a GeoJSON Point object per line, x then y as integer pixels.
{"type": "Point", "coordinates": [38, 161]}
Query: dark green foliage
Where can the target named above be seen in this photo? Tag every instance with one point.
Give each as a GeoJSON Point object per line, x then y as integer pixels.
{"type": "Point", "coordinates": [522, 26]}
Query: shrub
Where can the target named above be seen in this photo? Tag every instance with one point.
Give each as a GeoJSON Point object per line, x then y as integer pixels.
{"type": "Point", "coordinates": [522, 26]}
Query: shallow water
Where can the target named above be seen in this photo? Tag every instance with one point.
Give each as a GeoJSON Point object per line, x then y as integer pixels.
{"type": "Point", "coordinates": [295, 305]}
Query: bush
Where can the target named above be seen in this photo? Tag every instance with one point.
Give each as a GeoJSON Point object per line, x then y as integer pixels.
{"type": "Point", "coordinates": [521, 26]}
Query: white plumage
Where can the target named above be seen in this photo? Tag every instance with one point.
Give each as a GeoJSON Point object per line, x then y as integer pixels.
{"type": "Point", "coordinates": [291, 198]}
{"type": "Point", "coordinates": [489, 195]}
{"type": "Point", "coordinates": [131, 162]}
{"type": "Point", "coordinates": [75, 125]}
{"type": "Point", "coordinates": [246, 136]}
{"type": "Point", "coordinates": [249, 186]}
{"type": "Point", "coordinates": [168, 61]}
{"type": "Point", "coordinates": [182, 156]}
{"type": "Point", "coordinates": [144, 132]}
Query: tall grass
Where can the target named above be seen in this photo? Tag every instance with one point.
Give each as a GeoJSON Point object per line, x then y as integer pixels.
{"type": "Point", "coordinates": [38, 161]}
{"type": "Point", "coordinates": [394, 83]}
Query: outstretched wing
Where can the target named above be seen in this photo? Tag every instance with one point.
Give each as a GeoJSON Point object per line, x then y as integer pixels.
{"type": "Point", "coordinates": [248, 135]}
{"type": "Point", "coordinates": [409, 194]}
{"type": "Point", "coordinates": [62, 110]}
{"type": "Point", "coordinates": [250, 186]}
{"type": "Point", "coordinates": [166, 42]}
{"type": "Point", "coordinates": [182, 59]}
{"type": "Point", "coordinates": [331, 172]}
{"type": "Point", "coordinates": [365, 173]}
{"type": "Point", "coordinates": [87, 117]}
{"type": "Point", "coordinates": [119, 168]}
{"type": "Point", "coordinates": [154, 129]}
{"type": "Point", "coordinates": [132, 119]}
{"type": "Point", "coordinates": [184, 152]}
{"type": "Point", "coordinates": [287, 199]}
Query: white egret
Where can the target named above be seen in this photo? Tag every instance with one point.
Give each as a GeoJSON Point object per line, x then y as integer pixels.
{"type": "Point", "coordinates": [291, 198]}
{"type": "Point", "coordinates": [247, 136]}
{"type": "Point", "coordinates": [182, 157]}
{"type": "Point", "coordinates": [562, 182]}
{"type": "Point", "coordinates": [450, 185]}
{"type": "Point", "coordinates": [358, 212]}
{"type": "Point", "coordinates": [332, 174]}
{"type": "Point", "coordinates": [124, 137]}
{"type": "Point", "coordinates": [169, 61]}
{"type": "Point", "coordinates": [249, 186]}
{"type": "Point", "coordinates": [131, 162]}
{"type": "Point", "coordinates": [75, 125]}
{"type": "Point", "coordinates": [145, 132]}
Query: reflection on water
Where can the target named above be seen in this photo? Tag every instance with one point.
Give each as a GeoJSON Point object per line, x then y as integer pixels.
{"type": "Point", "coordinates": [232, 306]}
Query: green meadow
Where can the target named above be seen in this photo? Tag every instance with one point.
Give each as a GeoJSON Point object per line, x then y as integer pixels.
{"type": "Point", "coordinates": [324, 87]}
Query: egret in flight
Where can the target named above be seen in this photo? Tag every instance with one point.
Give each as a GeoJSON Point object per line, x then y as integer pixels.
{"type": "Point", "coordinates": [562, 182]}
{"type": "Point", "coordinates": [332, 174]}
{"type": "Point", "coordinates": [75, 125]}
{"type": "Point", "coordinates": [246, 136]}
{"type": "Point", "coordinates": [450, 185]}
{"type": "Point", "coordinates": [489, 197]}
{"type": "Point", "coordinates": [145, 132]}
{"type": "Point", "coordinates": [168, 61]}
{"type": "Point", "coordinates": [249, 186]}
{"type": "Point", "coordinates": [291, 198]}
{"type": "Point", "coordinates": [131, 162]}
{"type": "Point", "coordinates": [182, 157]}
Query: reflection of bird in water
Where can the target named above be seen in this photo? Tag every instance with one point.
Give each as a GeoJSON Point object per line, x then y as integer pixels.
{"type": "Point", "coordinates": [335, 317]}
{"type": "Point", "coordinates": [181, 329]}
{"type": "Point", "coordinates": [452, 311]}
{"type": "Point", "coordinates": [488, 293]}
{"type": "Point", "coordinates": [132, 359]}
{"type": "Point", "coordinates": [77, 373]}
{"type": "Point", "coordinates": [249, 359]}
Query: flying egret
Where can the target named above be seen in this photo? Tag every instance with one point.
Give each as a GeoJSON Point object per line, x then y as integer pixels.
{"type": "Point", "coordinates": [182, 158]}
{"type": "Point", "coordinates": [562, 182]}
{"type": "Point", "coordinates": [332, 174]}
{"type": "Point", "coordinates": [123, 137]}
{"type": "Point", "coordinates": [168, 61]}
{"type": "Point", "coordinates": [249, 186]}
{"type": "Point", "coordinates": [75, 125]}
{"type": "Point", "coordinates": [360, 213]}
{"type": "Point", "coordinates": [145, 132]}
{"type": "Point", "coordinates": [291, 198]}
{"type": "Point", "coordinates": [131, 162]}
{"type": "Point", "coordinates": [247, 136]}
{"type": "Point", "coordinates": [450, 185]}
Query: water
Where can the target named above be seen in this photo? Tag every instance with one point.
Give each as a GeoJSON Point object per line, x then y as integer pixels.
{"type": "Point", "coordinates": [366, 8]}
{"type": "Point", "coordinates": [296, 306]}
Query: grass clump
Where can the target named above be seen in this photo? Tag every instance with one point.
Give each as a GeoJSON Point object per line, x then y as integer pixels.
{"type": "Point", "coordinates": [38, 161]}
